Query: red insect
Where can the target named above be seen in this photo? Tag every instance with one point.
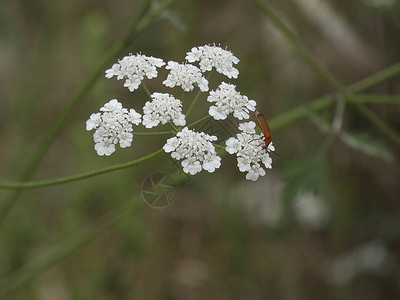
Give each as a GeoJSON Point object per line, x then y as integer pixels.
{"type": "Point", "coordinates": [263, 124]}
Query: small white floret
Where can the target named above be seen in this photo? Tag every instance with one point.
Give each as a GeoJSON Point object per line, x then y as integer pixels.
{"type": "Point", "coordinates": [214, 57]}
{"type": "Point", "coordinates": [195, 149]}
{"type": "Point", "coordinates": [134, 68]}
{"type": "Point", "coordinates": [185, 76]}
{"type": "Point", "coordinates": [163, 108]}
{"type": "Point", "coordinates": [248, 146]}
{"type": "Point", "coordinates": [227, 100]}
{"type": "Point", "coordinates": [113, 125]}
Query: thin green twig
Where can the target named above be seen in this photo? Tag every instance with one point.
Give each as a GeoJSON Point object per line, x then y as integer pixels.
{"type": "Point", "coordinates": [150, 133]}
{"type": "Point", "coordinates": [219, 147]}
{"type": "Point", "coordinates": [198, 121]}
{"type": "Point", "coordinates": [375, 99]}
{"type": "Point", "coordinates": [174, 128]}
{"type": "Point", "coordinates": [196, 98]}
{"type": "Point", "coordinates": [146, 90]}
{"type": "Point", "coordinates": [375, 79]}
{"type": "Point", "coordinates": [193, 103]}
{"type": "Point", "coordinates": [182, 97]}
{"type": "Point", "coordinates": [388, 131]}
{"type": "Point", "coordinates": [50, 182]}
{"type": "Point", "coordinates": [339, 115]}
{"type": "Point", "coordinates": [293, 115]}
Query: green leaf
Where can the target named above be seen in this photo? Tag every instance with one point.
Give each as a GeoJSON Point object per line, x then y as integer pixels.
{"type": "Point", "coordinates": [367, 145]}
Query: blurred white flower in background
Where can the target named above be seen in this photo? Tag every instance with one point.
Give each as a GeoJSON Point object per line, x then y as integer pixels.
{"type": "Point", "coordinates": [372, 257]}
{"type": "Point", "coordinates": [310, 211]}
{"type": "Point", "coordinates": [163, 108]}
{"type": "Point", "coordinates": [196, 150]}
{"type": "Point", "coordinates": [210, 57]}
{"type": "Point", "coordinates": [134, 68]}
{"type": "Point", "coordinates": [227, 100]}
{"type": "Point", "coordinates": [261, 200]}
{"type": "Point", "coordinates": [192, 273]}
{"type": "Point", "coordinates": [252, 157]}
{"type": "Point", "coordinates": [113, 125]}
{"type": "Point", "coordinates": [185, 76]}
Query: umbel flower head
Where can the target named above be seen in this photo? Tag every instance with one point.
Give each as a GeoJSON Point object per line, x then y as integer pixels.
{"type": "Point", "coordinates": [251, 155]}
{"type": "Point", "coordinates": [196, 150]}
{"type": "Point", "coordinates": [163, 108]}
{"type": "Point", "coordinates": [134, 68]}
{"type": "Point", "coordinates": [186, 76]}
{"type": "Point", "coordinates": [227, 100]}
{"type": "Point", "coordinates": [214, 57]}
{"type": "Point", "coordinates": [113, 125]}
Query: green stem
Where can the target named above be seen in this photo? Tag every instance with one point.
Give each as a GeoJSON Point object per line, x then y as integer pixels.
{"type": "Point", "coordinates": [44, 183]}
{"type": "Point", "coordinates": [143, 18]}
{"type": "Point", "coordinates": [374, 99]}
{"type": "Point", "coordinates": [150, 133]}
{"type": "Point", "coordinates": [325, 101]}
{"type": "Point", "coordinates": [219, 147]}
{"type": "Point", "coordinates": [173, 127]}
{"type": "Point", "coordinates": [193, 104]}
{"type": "Point", "coordinates": [199, 121]}
{"type": "Point", "coordinates": [196, 98]}
{"type": "Point", "coordinates": [339, 114]}
{"type": "Point", "coordinates": [378, 77]}
{"type": "Point", "coordinates": [182, 96]}
{"type": "Point", "coordinates": [147, 90]}
{"type": "Point", "coordinates": [387, 130]}
{"type": "Point", "coordinates": [299, 112]}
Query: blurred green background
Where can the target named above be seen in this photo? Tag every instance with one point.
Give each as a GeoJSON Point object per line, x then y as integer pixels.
{"type": "Point", "coordinates": [323, 224]}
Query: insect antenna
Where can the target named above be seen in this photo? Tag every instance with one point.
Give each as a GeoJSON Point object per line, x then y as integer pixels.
{"type": "Point", "coordinates": [275, 153]}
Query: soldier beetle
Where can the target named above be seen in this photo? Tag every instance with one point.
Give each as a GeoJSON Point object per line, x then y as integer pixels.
{"type": "Point", "coordinates": [263, 124]}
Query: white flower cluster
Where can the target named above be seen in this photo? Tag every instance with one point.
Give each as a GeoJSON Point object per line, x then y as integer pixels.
{"type": "Point", "coordinates": [134, 68]}
{"type": "Point", "coordinates": [214, 57]}
{"type": "Point", "coordinates": [113, 125]}
{"type": "Point", "coordinates": [163, 108]}
{"type": "Point", "coordinates": [227, 100]}
{"type": "Point", "coordinates": [196, 150]}
{"type": "Point", "coordinates": [250, 151]}
{"type": "Point", "coordinates": [186, 76]}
